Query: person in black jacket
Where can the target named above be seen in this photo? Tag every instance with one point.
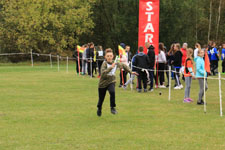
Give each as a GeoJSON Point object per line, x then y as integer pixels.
{"type": "Point", "coordinates": [89, 57]}
{"type": "Point", "coordinates": [177, 66]}
{"type": "Point", "coordinates": [170, 58]}
{"type": "Point", "coordinates": [129, 54]}
{"type": "Point", "coordinates": [141, 61]}
{"type": "Point", "coordinates": [100, 59]}
{"type": "Point", "coordinates": [151, 56]}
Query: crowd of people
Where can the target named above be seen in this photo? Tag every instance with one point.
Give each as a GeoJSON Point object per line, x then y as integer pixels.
{"type": "Point", "coordinates": [185, 64]}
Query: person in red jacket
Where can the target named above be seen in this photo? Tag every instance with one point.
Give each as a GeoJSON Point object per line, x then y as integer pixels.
{"type": "Point", "coordinates": [184, 57]}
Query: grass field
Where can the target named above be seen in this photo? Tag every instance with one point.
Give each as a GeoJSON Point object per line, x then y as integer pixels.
{"type": "Point", "coordinates": [43, 109]}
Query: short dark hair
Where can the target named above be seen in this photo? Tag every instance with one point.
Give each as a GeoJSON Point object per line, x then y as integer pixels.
{"type": "Point", "coordinates": [90, 44]}
{"type": "Point", "coordinates": [108, 50]}
{"type": "Point", "coordinates": [141, 49]}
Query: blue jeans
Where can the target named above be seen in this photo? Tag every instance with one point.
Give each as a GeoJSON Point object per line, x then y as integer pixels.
{"type": "Point", "coordinates": [177, 76]}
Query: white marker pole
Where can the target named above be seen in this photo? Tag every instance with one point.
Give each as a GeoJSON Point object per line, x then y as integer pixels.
{"type": "Point", "coordinates": [31, 56]}
{"type": "Point", "coordinates": [204, 92]}
{"type": "Point", "coordinates": [50, 55]}
{"type": "Point", "coordinates": [169, 98]}
{"type": "Point", "coordinates": [67, 64]}
{"type": "Point", "coordinates": [220, 93]}
{"type": "Point", "coordinates": [58, 61]}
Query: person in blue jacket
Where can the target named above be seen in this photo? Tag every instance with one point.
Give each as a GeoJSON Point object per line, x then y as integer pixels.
{"type": "Point", "coordinates": [214, 58]}
{"type": "Point", "coordinates": [200, 75]}
{"type": "Point", "coordinates": [223, 59]}
{"type": "Point", "coordinates": [141, 63]}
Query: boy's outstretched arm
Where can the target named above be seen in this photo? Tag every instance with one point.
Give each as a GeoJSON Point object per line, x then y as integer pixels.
{"type": "Point", "coordinates": [126, 68]}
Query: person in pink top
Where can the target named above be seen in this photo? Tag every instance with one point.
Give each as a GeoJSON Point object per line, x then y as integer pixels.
{"type": "Point", "coordinates": [184, 57]}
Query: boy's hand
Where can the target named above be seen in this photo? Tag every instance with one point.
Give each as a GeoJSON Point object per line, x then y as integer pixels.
{"type": "Point", "coordinates": [135, 73]}
{"type": "Point", "coordinates": [193, 77]}
{"type": "Point", "coordinates": [113, 65]}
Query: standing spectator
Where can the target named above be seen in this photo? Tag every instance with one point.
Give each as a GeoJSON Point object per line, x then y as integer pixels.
{"type": "Point", "coordinates": [151, 56]}
{"type": "Point", "coordinates": [141, 61]}
{"type": "Point", "coordinates": [170, 58]}
{"type": "Point", "coordinates": [200, 75]}
{"type": "Point", "coordinates": [130, 81]}
{"type": "Point", "coordinates": [160, 65]}
{"type": "Point", "coordinates": [78, 58]}
{"type": "Point", "coordinates": [209, 49]}
{"type": "Point", "coordinates": [129, 54]}
{"type": "Point", "coordinates": [223, 58]}
{"type": "Point", "coordinates": [84, 61]}
{"type": "Point", "coordinates": [177, 65]}
{"type": "Point", "coordinates": [123, 73]}
{"type": "Point", "coordinates": [100, 57]}
{"type": "Point", "coordinates": [210, 45]}
{"type": "Point", "coordinates": [206, 59]}
{"type": "Point", "coordinates": [89, 57]}
{"type": "Point", "coordinates": [214, 58]}
{"type": "Point", "coordinates": [197, 48]}
{"type": "Point", "coordinates": [94, 63]}
{"type": "Point", "coordinates": [184, 52]}
{"type": "Point", "coordinates": [188, 74]}
{"type": "Point", "coordinates": [129, 57]}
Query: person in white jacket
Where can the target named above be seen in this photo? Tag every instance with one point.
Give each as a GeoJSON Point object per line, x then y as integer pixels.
{"type": "Point", "coordinates": [160, 66]}
{"type": "Point", "coordinates": [123, 73]}
{"type": "Point", "coordinates": [197, 48]}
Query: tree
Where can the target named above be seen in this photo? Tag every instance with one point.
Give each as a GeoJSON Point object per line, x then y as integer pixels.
{"type": "Point", "coordinates": [44, 25]}
{"type": "Point", "coordinates": [218, 22]}
{"type": "Point", "coordinates": [55, 26]}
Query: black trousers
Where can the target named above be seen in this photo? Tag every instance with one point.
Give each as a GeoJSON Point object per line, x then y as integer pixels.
{"type": "Point", "coordinates": [77, 66]}
{"type": "Point", "coordinates": [101, 95]}
{"type": "Point", "coordinates": [161, 73]}
{"type": "Point", "coordinates": [124, 77]}
{"type": "Point", "coordinates": [167, 74]}
{"type": "Point", "coordinates": [90, 68]}
{"type": "Point", "coordinates": [214, 66]}
{"type": "Point", "coordinates": [142, 78]}
{"type": "Point", "coordinates": [223, 66]}
{"type": "Point", "coordinates": [151, 74]}
{"type": "Point", "coordinates": [99, 67]}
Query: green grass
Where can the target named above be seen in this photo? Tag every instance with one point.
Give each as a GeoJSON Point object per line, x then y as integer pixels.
{"type": "Point", "coordinates": [43, 109]}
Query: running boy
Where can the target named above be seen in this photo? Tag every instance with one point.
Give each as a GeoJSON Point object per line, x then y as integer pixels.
{"type": "Point", "coordinates": [108, 80]}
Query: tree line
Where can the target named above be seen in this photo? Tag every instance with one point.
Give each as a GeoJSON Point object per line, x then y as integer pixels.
{"type": "Point", "coordinates": [57, 26]}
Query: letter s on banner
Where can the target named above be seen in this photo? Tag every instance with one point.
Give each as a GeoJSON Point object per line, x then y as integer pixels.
{"type": "Point", "coordinates": [149, 23]}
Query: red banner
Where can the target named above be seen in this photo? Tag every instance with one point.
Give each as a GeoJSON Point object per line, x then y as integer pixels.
{"type": "Point", "coordinates": [149, 23]}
